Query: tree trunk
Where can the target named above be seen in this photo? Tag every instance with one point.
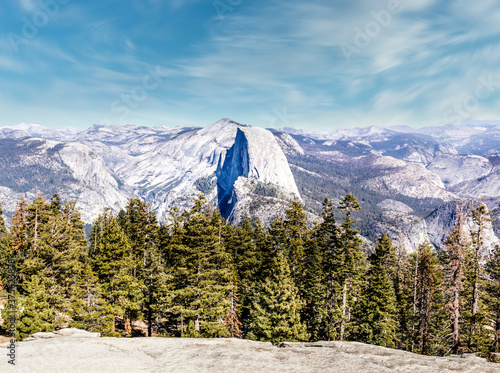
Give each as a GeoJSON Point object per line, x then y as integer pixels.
{"type": "Point", "coordinates": [197, 324]}
{"type": "Point", "coordinates": [343, 311]}
{"type": "Point", "coordinates": [182, 325]}
{"type": "Point", "coordinates": [150, 316]}
{"type": "Point", "coordinates": [128, 328]}
{"type": "Point", "coordinates": [456, 326]}
{"type": "Point", "coordinates": [414, 304]}
{"type": "Point", "coordinates": [35, 238]}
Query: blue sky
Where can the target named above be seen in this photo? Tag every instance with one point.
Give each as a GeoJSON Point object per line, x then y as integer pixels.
{"type": "Point", "coordinates": [316, 65]}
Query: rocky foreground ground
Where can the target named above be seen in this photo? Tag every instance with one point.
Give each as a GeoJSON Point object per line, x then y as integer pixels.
{"type": "Point", "coordinates": [76, 351]}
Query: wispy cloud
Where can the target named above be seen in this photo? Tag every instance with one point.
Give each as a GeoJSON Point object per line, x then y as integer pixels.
{"type": "Point", "coordinates": [262, 56]}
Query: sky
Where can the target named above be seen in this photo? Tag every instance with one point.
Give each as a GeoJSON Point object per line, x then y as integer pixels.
{"type": "Point", "coordinates": [315, 65]}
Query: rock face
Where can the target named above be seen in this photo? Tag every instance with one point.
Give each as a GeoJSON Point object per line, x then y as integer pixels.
{"type": "Point", "coordinates": [214, 160]}
{"type": "Point", "coordinates": [30, 166]}
{"type": "Point", "coordinates": [421, 168]}
{"type": "Point", "coordinates": [91, 355]}
{"type": "Point", "coordinates": [105, 166]}
{"type": "Point", "coordinates": [456, 169]}
{"type": "Point", "coordinates": [255, 155]}
{"type": "Point", "coordinates": [443, 219]}
{"type": "Point", "coordinates": [400, 177]}
{"type": "Point", "coordinates": [68, 332]}
{"type": "Point", "coordinates": [251, 171]}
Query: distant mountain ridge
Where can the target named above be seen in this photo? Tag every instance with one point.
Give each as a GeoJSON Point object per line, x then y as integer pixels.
{"type": "Point", "coordinates": [252, 171]}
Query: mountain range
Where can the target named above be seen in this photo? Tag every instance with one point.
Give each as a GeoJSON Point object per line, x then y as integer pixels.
{"type": "Point", "coordinates": [410, 182]}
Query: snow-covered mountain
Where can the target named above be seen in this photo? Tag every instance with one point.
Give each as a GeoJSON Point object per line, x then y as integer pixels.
{"type": "Point", "coordinates": [423, 169]}
{"type": "Point", "coordinates": [107, 165]}
{"type": "Point", "coordinates": [406, 179]}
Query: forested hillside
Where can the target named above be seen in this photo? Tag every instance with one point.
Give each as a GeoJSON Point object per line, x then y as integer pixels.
{"type": "Point", "coordinates": [197, 276]}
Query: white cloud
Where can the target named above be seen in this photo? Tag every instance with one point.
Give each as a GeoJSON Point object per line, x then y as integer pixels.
{"type": "Point", "coordinates": [28, 5]}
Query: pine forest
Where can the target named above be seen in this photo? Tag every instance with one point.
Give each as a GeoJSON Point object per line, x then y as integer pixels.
{"type": "Point", "coordinates": [197, 276]}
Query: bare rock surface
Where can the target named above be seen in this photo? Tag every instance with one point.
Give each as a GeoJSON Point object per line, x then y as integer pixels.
{"type": "Point", "coordinates": [76, 354]}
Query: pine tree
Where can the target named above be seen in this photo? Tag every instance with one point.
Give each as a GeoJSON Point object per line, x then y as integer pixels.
{"type": "Point", "coordinates": [427, 288]}
{"type": "Point", "coordinates": [5, 254]}
{"type": "Point", "coordinates": [277, 307]}
{"type": "Point", "coordinates": [404, 288]}
{"type": "Point", "coordinates": [203, 273]}
{"type": "Point", "coordinates": [297, 234]}
{"type": "Point", "coordinates": [65, 234]}
{"type": "Point", "coordinates": [326, 237]}
{"type": "Point", "coordinates": [348, 264]}
{"type": "Point", "coordinates": [315, 312]}
{"type": "Point", "coordinates": [474, 312]}
{"type": "Point", "coordinates": [139, 223]}
{"type": "Point", "coordinates": [8, 277]}
{"type": "Point", "coordinates": [18, 228]}
{"type": "Point", "coordinates": [454, 257]}
{"type": "Point", "coordinates": [91, 312]}
{"type": "Point", "coordinates": [110, 258]}
{"type": "Point", "coordinates": [37, 315]}
{"type": "Point", "coordinates": [493, 296]}
{"type": "Point", "coordinates": [50, 240]}
{"type": "Point", "coordinates": [247, 260]}
{"type": "Point", "coordinates": [376, 314]}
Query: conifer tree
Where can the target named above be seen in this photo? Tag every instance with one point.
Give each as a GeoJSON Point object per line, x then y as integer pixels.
{"type": "Point", "coordinates": [203, 273]}
{"type": "Point", "coordinates": [18, 229]}
{"type": "Point", "coordinates": [5, 254]}
{"type": "Point", "coordinates": [8, 277]}
{"type": "Point", "coordinates": [91, 312]}
{"type": "Point", "coordinates": [65, 235]}
{"type": "Point", "coordinates": [493, 296]}
{"type": "Point", "coordinates": [427, 290]}
{"type": "Point", "coordinates": [264, 246]}
{"type": "Point", "coordinates": [111, 261]}
{"type": "Point", "coordinates": [247, 260]}
{"type": "Point", "coordinates": [37, 315]}
{"type": "Point", "coordinates": [376, 312]}
{"type": "Point", "coordinates": [403, 288]}
{"type": "Point", "coordinates": [454, 256]}
{"type": "Point", "coordinates": [326, 237]}
{"type": "Point", "coordinates": [276, 315]}
{"type": "Point", "coordinates": [139, 223]}
{"type": "Point", "coordinates": [315, 313]}
{"type": "Point", "coordinates": [278, 237]}
{"type": "Point", "coordinates": [348, 263]}
{"type": "Point", "coordinates": [474, 311]}
{"type": "Point", "coordinates": [296, 235]}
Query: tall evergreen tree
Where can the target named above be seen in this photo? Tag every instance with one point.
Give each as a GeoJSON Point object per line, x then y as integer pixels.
{"type": "Point", "coordinates": [139, 223]}
{"type": "Point", "coordinates": [376, 313]}
{"type": "Point", "coordinates": [403, 288]}
{"type": "Point", "coordinates": [51, 245]}
{"type": "Point", "coordinates": [315, 313]}
{"type": "Point", "coordinates": [474, 310]}
{"type": "Point", "coordinates": [239, 240]}
{"type": "Point", "coordinates": [110, 257]}
{"type": "Point", "coordinates": [297, 233]}
{"type": "Point", "coordinates": [65, 236]}
{"type": "Point", "coordinates": [427, 288]}
{"type": "Point", "coordinates": [203, 274]}
{"type": "Point", "coordinates": [37, 315]}
{"type": "Point", "coordinates": [5, 254]}
{"type": "Point", "coordinates": [326, 237]}
{"type": "Point", "coordinates": [493, 296]}
{"type": "Point", "coordinates": [91, 311]}
{"type": "Point", "coordinates": [276, 315]}
{"type": "Point", "coordinates": [454, 256]}
{"type": "Point", "coordinates": [348, 264]}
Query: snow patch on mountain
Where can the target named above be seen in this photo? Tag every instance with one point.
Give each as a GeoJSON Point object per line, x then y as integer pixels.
{"type": "Point", "coordinates": [456, 169]}
{"type": "Point", "coordinates": [408, 179]}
